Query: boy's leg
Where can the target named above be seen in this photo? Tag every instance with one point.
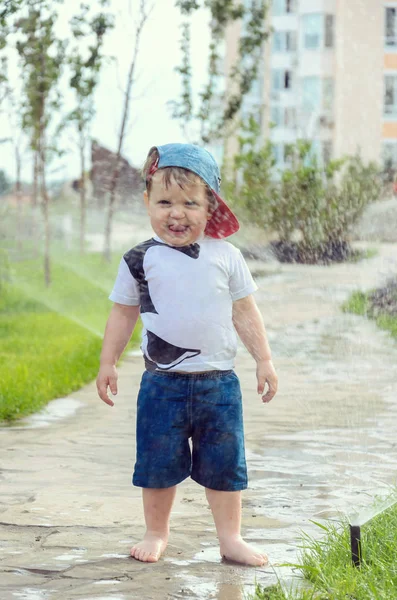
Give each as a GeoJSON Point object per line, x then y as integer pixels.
{"type": "Point", "coordinates": [226, 510]}
{"type": "Point", "coordinates": [157, 504]}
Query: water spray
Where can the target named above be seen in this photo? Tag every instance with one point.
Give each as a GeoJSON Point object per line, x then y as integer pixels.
{"type": "Point", "coordinates": [357, 520]}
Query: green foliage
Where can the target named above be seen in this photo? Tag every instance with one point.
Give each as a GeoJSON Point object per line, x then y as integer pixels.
{"type": "Point", "coordinates": [8, 8]}
{"type": "Point", "coordinates": [184, 109]}
{"type": "Point", "coordinates": [256, 191]}
{"type": "Point", "coordinates": [357, 304]}
{"type": "Point", "coordinates": [360, 185]}
{"type": "Point", "coordinates": [320, 203]}
{"type": "Point", "coordinates": [85, 70]}
{"type": "Point", "coordinates": [217, 108]}
{"type": "Point", "coordinates": [42, 58]}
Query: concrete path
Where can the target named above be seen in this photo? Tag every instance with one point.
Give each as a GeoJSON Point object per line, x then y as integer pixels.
{"type": "Point", "coordinates": [326, 443]}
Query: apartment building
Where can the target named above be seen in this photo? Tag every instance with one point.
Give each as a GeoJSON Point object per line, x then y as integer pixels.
{"type": "Point", "coordinates": [329, 74]}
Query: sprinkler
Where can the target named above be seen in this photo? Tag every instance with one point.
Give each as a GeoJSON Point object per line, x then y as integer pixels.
{"type": "Point", "coordinates": [355, 544]}
{"type": "Point", "coordinates": [357, 520]}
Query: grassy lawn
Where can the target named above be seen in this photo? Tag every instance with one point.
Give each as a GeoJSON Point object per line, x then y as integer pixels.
{"type": "Point", "coordinates": [50, 339]}
{"type": "Point", "coordinates": [326, 564]}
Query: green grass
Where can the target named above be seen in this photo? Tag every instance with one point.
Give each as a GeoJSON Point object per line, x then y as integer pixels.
{"type": "Point", "coordinates": [51, 338]}
{"type": "Point", "coordinates": [326, 564]}
{"type": "Point", "coordinates": [363, 255]}
{"type": "Point", "coordinates": [79, 287]}
{"type": "Point", "coordinates": [359, 304]}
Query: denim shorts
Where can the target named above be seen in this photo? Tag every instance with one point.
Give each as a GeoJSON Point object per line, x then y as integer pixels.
{"type": "Point", "coordinates": [206, 407]}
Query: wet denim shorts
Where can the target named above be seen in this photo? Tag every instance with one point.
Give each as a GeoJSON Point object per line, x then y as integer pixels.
{"type": "Point", "coordinates": [206, 407]}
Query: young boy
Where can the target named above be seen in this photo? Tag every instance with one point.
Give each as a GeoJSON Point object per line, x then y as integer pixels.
{"type": "Point", "coordinates": [190, 288]}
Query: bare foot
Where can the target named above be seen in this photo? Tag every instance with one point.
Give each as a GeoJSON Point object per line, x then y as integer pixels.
{"type": "Point", "coordinates": [149, 549]}
{"type": "Point", "coordinates": [236, 549]}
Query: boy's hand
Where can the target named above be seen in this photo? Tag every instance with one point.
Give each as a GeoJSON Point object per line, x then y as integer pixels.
{"type": "Point", "coordinates": [107, 376]}
{"type": "Point", "coordinates": [265, 373]}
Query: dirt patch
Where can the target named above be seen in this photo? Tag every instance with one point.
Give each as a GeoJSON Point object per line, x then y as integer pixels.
{"type": "Point", "coordinates": [295, 252]}
{"type": "Point", "coordinates": [384, 300]}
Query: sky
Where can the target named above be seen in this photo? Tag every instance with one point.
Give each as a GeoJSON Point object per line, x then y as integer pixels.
{"type": "Point", "coordinates": [150, 121]}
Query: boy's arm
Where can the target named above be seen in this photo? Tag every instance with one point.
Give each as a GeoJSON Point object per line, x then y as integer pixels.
{"type": "Point", "coordinates": [250, 327]}
{"type": "Point", "coordinates": [118, 331]}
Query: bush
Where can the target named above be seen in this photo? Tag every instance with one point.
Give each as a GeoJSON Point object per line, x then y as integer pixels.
{"type": "Point", "coordinates": [319, 203]}
{"type": "Point", "coordinates": [251, 189]}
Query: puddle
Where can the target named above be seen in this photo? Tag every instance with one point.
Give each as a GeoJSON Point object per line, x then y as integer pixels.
{"type": "Point", "coordinates": [55, 411]}
{"type": "Point", "coordinates": [112, 597]}
{"type": "Point", "coordinates": [208, 555]}
{"type": "Point", "coordinates": [33, 594]}
{"type": "Point", "coordinates": [77, 553]}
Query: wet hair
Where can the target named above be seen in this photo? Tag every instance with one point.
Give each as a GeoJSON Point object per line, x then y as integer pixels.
{"type": "Point", "coordinates": [183, 177]}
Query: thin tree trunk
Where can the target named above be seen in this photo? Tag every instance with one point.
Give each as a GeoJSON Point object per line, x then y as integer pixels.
{"type": "Point", "coordinates": [82, 189]}
{"type": "Point", "coordinates": [18, 193]}
{"type": "Point", "coordinates": [127, 100]}
{"type": "Point", "coordinates": [35, 178]}
{"type": "Point", "coordinates": [34, 228]}
{"type": "Point", "coordinates": [47, 231]}
{"type": "Point", "coordinates": [46, 203]}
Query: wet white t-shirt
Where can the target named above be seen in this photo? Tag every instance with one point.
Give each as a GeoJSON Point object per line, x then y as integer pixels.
{"type": "Point", "coordinates": [185, 296]}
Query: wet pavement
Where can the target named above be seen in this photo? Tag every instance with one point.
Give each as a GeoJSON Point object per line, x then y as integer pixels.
{"type": "Point", "coordinates": [326, 444]}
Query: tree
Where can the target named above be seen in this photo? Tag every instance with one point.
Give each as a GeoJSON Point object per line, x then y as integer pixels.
{"type": "Point", "coordinates": [5, 183]}
{"type": "Point", "coordinates": [8, 9]}
{"type": "Point", "coordinates": [253, 189]}
{"type": "Point", "coordinates": [84, 80]}
{"type": "Point", "coordinates": [14, 109]}
{"type": "Point", "coordinates": [144, 11]}
{"type": "Point", "coordinates": [318, 202]}
{"type": "Point", "coordinates": [218, 109]}
{"type": "Point", "coordinates": [42, 57]}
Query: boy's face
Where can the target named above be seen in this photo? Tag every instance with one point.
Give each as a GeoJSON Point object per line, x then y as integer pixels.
{"type": "Point", "coordinates": [178, 216]}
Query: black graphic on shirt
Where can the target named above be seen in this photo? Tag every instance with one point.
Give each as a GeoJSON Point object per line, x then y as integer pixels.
{"type": "Point", "coordinates": [162, 354]}
{"type": "Point", "coordinates": [166, 355]}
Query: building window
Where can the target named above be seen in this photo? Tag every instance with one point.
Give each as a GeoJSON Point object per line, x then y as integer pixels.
{"type": "Point", "coordinates": [311, 93]}
{"type": "Point", "coordinates": [276, 116]}
{"type": "Point", "coordinates": [318, 94]}
{"type": "Point", "coordinates": [391, 26]}
{"type": "Point", "coordinates": [283, 7]}
{"type": "Point", "coordinates": [390, 98]}
{"type": "Point", "coordinates": [283, 116]}
{"type": "Point", "coordinates": [284, 41]}
{"type": "Point", "coordinates": [281, 80]}
{"type": "Point", "coordinates": [389, 155]}
{"type": "Point", "coordinates": [318, 31]}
